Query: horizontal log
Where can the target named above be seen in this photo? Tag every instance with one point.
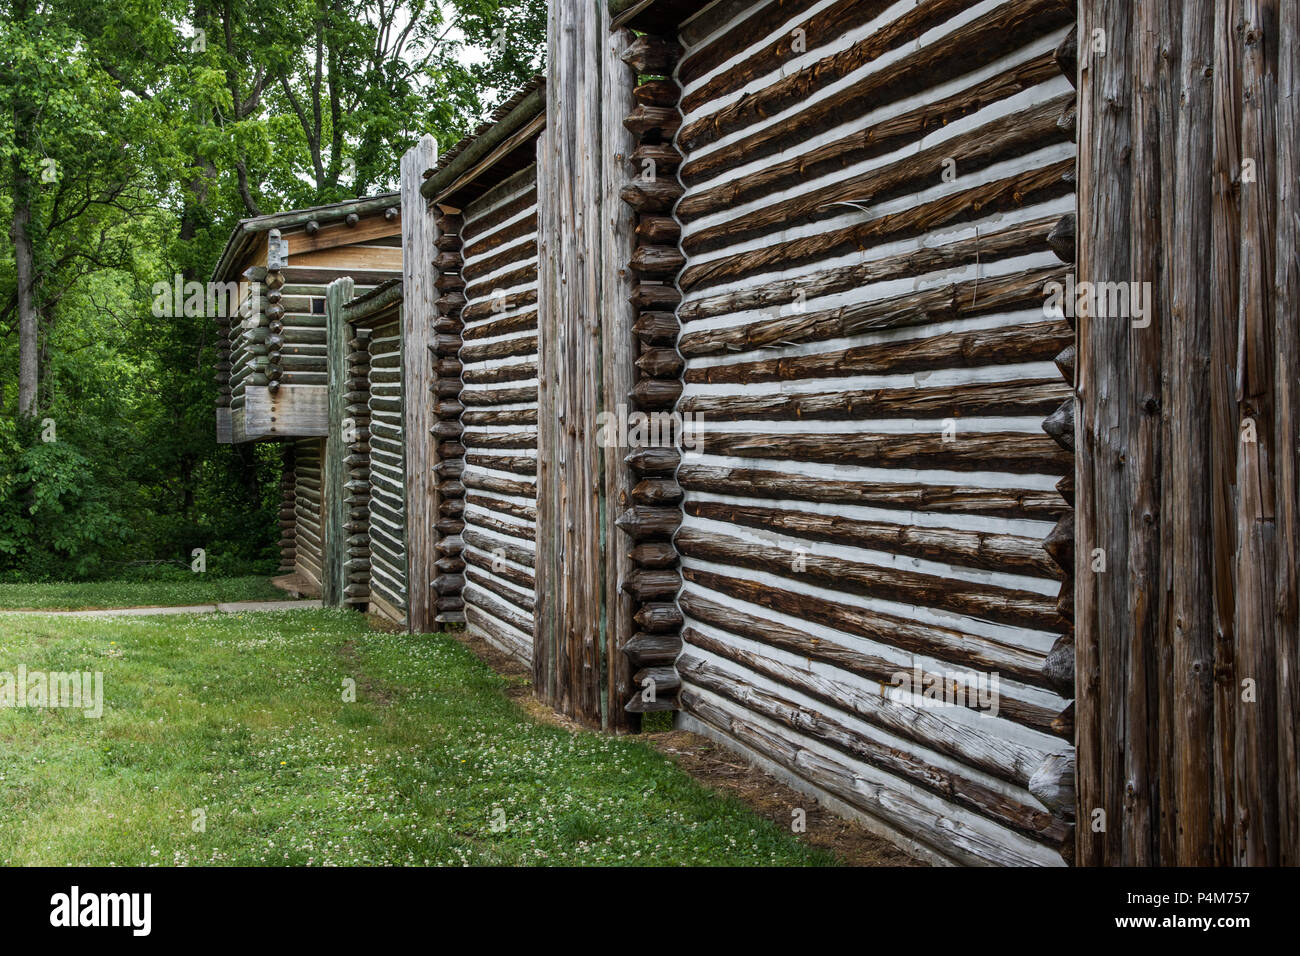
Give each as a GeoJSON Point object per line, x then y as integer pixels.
{"type": "Point", "coordinates": [655, 261]}
{"type": "Point", "coordinates": [650, 54]}
{"type": "Point", "coordinates": [943, 304]}
{"type": "Point", "coordinates": [948, 644]}
{"type": "Point", "coordinates": [653, 461]}
{"type": "Point", "coordinates": [1015, 452]}
{"type": "Point", "coordinates": [657, 195]}
{"type": "Point", "coordinates": [659, 617]}
{"type": "Point", "coordinates": [975, 549]}
{"type": "Point", "coordinates": [972, 598]}
{"type": "Point", "coordinates": [953, 785]}
{"type": "Point", "coordinates": [655, 393]}
{"type": "Point", "coordinates": [661, 363]}
{"type": "Point", "coordinates": [644, 523]}
{"type": "Point", "coordinates": [656, 328]}
{"type": "Point", "coordinates": [654, 296]}
{"type": "Point", "coordinates": [653, 122]}
{"type": "Point", "coordinates": [652, 585]}
{"type": "Point", "coordinates": [657, 491]}
{"type": "Point", "coordinates": [1026, 397]}
{"type": "Point", "coordinates": [645, 649]}
{"type": "Point", "coordinates": [657, 92]}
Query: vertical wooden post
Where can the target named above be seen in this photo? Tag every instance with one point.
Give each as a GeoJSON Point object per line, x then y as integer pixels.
{"type": "Point", "coordinates": [1286, 412]}
{"type": "Point", "coordinates": [583, 331]}
{"type": "Point", "coordinates": [333, 473]}
{"type": "Point", "coordinates": [418, 277]}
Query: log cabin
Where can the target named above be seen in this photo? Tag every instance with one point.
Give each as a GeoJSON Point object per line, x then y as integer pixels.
{"type": "Point", "coordinates": [273, 357]}
{"type": "Point", "coordinates": [1007, 577]}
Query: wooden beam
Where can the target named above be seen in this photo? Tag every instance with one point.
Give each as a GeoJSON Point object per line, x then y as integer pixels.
{"type": "Point", "coordinates": [419, 237]}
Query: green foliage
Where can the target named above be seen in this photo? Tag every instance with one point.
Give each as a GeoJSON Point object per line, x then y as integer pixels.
{"type": "Point", "coordinates": [55, 516]}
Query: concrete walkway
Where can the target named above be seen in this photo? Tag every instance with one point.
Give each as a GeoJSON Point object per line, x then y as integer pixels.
{"type": "Point", "coordinates": [231, 608]}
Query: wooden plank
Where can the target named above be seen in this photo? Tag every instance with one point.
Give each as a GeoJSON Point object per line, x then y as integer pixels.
{"type": "Point", "coordinates": [419, 235]}
{"type": "Point", "coordinates": [335, 477]}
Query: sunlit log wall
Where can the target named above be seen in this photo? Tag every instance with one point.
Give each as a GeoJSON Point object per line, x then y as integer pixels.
{"type": "Point", "coordinates": [869, 193]}
{"type": "Point", "coordinates": [1187, 490]}
{"type": "Point", "coordinates": [498, 424]}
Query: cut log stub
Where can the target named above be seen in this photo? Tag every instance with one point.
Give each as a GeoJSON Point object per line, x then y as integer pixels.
{"type": "Point", "coordinates": [1061, 238]}
{"type": "Point", "coordinates": [638, 704]}
{"type": "Point", "coordinates": [1063, 723]}
{"type": "Point", "coordinates": [659, 617]}
{"type": "Point", "coordinates": [653, 554]}
{"type": "Point", "coordinates": [1065, 488]}
{"type": "Point", "coordinates": [664, 676]}
{"type": "Point", "coordinates": [655, 296]}
{"type": "Point", "coordinates": [1060, 425]}
{"type": "Point", "coordinates": [657, 261]}
{"type": "Point", "coordinates": [1069, 122]}
{"type": "Point", "coordinates": [1053, 784]}
{"type": "Point", "coordinates": [653, 585]}
{"type": "Point", "coordinates": [654, 461]}
{"type": "Point", "coordinates": [1067, 56]}
{"type": "Point", "coordinates": [661, 363]}
{"type": "Point", "coordinates": [657, 195]}
{"type": "Point", "coordinates": [1066, 362]}
{"type": "Point", "coordinates": [646, 649]}
{"type": "Point", "coordinates": [312, 227]}
{"type": "Point", "coordinates": [1058, 666]}
{"type": "Point", "coordinates": [657, 491]}
{"type": "Point", "coordinates": [656, 328]}
{"type": "Point", "coordinates": [658, 93]}
{"type": "Point", "coordinates": [352, 219]}
{"type": "Point", "coordinates": [656, 393]}
{"type": "Point", "coordinates": [1059, 544]}
{"type": "Point", "coordinates": [657, 229]}
{"type": "Point", "coordinates": [642, 523]}
{"type": "Point", "coordinates": [391, 213]}
{"type": "Point", "coordinates": [653, 55]}
{"type": "Point", "coordinates": [447, 262]}
{"type": "Point", "coordinates": [661, 157]}
{"type": "Point", "coordinates": [656, 122]}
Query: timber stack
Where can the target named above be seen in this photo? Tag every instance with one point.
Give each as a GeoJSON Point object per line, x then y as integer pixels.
{"type": "Point", "coordinates": [288, 526]}
{"type": "Point", "coordinates": [1053, 783]}
{"type": "Point", "coordinates": [656, 497]}
{"type": "Point", "coordinates": [356, 437]}
{"type": "Point", "coordinates": [448, 327]}
{"type": "Point", "coordinates": [276, 259]}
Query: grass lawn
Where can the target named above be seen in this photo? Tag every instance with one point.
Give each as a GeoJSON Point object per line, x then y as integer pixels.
{"type": "Point", "coordinates": [243, 717]}
{"type": "Point", "coordinates": [195, 589]}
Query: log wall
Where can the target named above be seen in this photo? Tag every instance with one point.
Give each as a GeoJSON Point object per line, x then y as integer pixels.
{"type": "Point", "coordinates": [871, 196]}
{"type": "Point", "coordinates": [498, 423]}
{"type": "Point", "coordinates": [387, 504]}
{"type": "Point", "coordinates": [309, 531]}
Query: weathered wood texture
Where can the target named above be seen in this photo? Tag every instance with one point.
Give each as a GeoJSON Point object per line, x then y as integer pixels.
{"type": "Point", "coordinates": [497, 344]}
{"type": "Point", "coordinates": [656, 260]}
{"type": "Point", "coordinates": [309, 526]}
{"type": "Point", "coordinates": [1186, 642]}
{"type": "Point", "coordinates": [337, 444]}
{"type": "Point", "coordinates": [873, 203]}
{"type": "Point", "coordinates": [584, 366]}
{"type": "Point", "coordinates": [387, 518]}
{"type": "Point", "coordinates": [418, 315]}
